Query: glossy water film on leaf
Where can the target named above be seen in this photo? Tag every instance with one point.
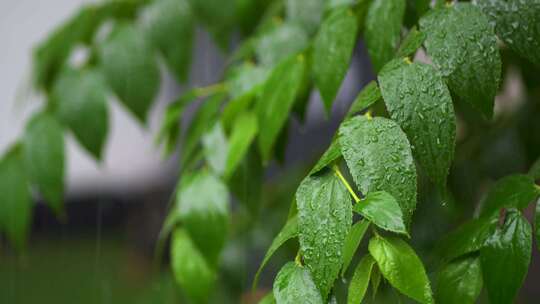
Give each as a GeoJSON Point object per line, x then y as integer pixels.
{"type": "Point", "coordinates": [463, 46]}
{"type": "Point", "coordinates": [332, 51]}
{"type": "Point", "coordinates": [506, 257]}
{"type": "Point", "coordinates": [216, 146]}
{"type": "Point", "coordinates": [418, 99]}
{"type": "Point", "coordinates": [381, 209]}
{"type": "Point", "coordinates": [325, 218]}
{"type": "Point", "coordinates": [513, 191]}
{"type": "Point", "coordinates": [360, 280]}
{"type": "Point", "coordinates": [400, 265]}
{"type": "Point", "coordinates": [460, 281]}
{"type": "Point", "coordinates": [379, 158]}
{"type": "Point", "coordinates": [294, 284]}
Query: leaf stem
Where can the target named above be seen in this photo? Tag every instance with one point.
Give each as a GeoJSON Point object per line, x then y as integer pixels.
{"type": "Point", "coordinates": [210, 90]}
{"type": "Point", "coordinates": [344, 181]}
{"type": "Point", "coordinates": [298, 259]}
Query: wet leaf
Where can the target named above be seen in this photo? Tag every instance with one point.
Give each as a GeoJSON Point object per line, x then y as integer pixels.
{"type": "Point", "coordinates": [463, 46]}
{"type": "Point", "coordinates": [307, 14]}
{"type": "Point", "coordinates": [381, 209]}
{"type": "Point", "coordinates": [170, 27]}
{"type": "Point", "coordinates": [537, 223]}
{"type": "Point", "coordinates": [506, 257]}
{"type": "Point", "coordinates": [514, 22]}
{"type": "Point", "coordinates": [216, 147]}
{"type": "Point", "coordinates": [127, 61]}
{"type": "Point", "coordinates": [15, 198]}
{"type": "Point", "coordinates": [203, 208]}
{"type": "Point", "coordinates": [280, 43]}
{"type": "Point", "coordinates": [276, 102]}
{"type": "Point", "coordinates": [289, 231]}
{"type": "Point", "coordinates": [400, 265]}
{"type": "Point", "coordinates": [190, 269]}
{"type": "Point", "coordinates": [82, 105]}
{"type": "Point", "coordinates": [332, 51]}
{"type": "Point", "coordinates": [360, 280]}
{"type": "Point", "coordinates": [44, 158]}
{"type": "Point", "coordinates": [243, 133]}
{"type": "Point", "coordinates": [379, 158]}
{"type": "Point", "coordinates": [383, 29]}
{"type": "Point", "coordinates": [460, 282]}
{"type": "Point", "coordinates": [325, 218]}
{"type": "Point", "coordinates": [411, 43]}
{"type": "Point", "coordinates": [294, 284]}
{"type": "Point", "coordinates": [369, 95]}
{"type": "Point", "coordinates": [330, 155]}
{"type": "Point", "coordinates": [419, 101]}
{"type": "Point", "coordinates": [355, 236]}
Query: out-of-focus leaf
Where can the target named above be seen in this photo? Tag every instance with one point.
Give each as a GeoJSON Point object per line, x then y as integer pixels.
{"type": "Point", "coordinates": [379, 158]}
{"type": "Point", "coordinates": [383, 28]}
{"type": "Point", "coordinates": [513, 191]}
{"type": "Point", "coordinates": [202, 121]}
{"type": "Point", "coordinates": [190, 269]}
{"type": "Point", "coordinates": [218, 17]}
{"type": "Point", "coordinates": [330, 155]}
{"type": "Point", "coordinates": [130, 68]}
{"type": "Point", "coordinates": [381, 209]}
{"type": "Point", "coordinates": [203, 207]}
{"type": "Point", "coordinates": [369, 95]}
{"type": "Point", "coordinates": [268, 299]}
{"type": "Point", "coordinates": [355, 236]}
{"type": "Point", "coordinates": [506, 257]}
{"type": "Point", "coordinates": [412, 42]}
{"type": "Point", "coordinates": [247, 180]}
{"type": "Point", "coordinates": [307, 14]}
{"type": "Point", "coordinates": [216, 147]}
{"type": "Point", "coordinates": [280, 43]}
{"type": "Point", "coordinates": [469, 237]}
{"type": "Point", "coordinates": [170, 26]}
{"type": "Point", "coordinates": [534, 171]}
{"type": "Point", "coordinates": [243, 133]}
{"type": "Point", "coordinates": [247, 79]}
{"type": "Point", "coordinates": [276, 101]}
{"type": "Point", "coordinates": [325, 218]}
{"type": "Point", "coordinates": [44, 158]}
{"type": "Point", "coordinates": [400, 265]}
{"type": "Point", "coordinates": [463, 46]}
{"type": "Point", "coordinates": [289, 231]}
{"type": "Point", "coordinates": [294, 284]}
{"type": "Point", "coordinates": [360, 280]}
{"type": "Point", "coordinates": [16, 202]}
{"type": "Point", "coordinates": [460, 282]}
{"type": "Point", "coordinates": [81, 100]}
{"type": "Point", "coordinates": [419, 101]}
{"type": "Point", "coordinates": [332, 51]}
{"type": "Point", "coordinates": [514, 22]}
{"type": "Point", "coordinates": [537, 223]}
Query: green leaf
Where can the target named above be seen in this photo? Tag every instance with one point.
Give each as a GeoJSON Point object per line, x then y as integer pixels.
{"type": "Point", "coordinates": [355, 236]}
{"type": "Point", "coordinates": [308, 14]}
{"type": "Point", "coordinates": [190, 269]}
{"type": "Point", "coordinates": [15, 198]}
{"type": "Point", "coordinates": [169, 25]}
{"type": "Point", "coordinates": [537, 223]}
{"type": "Point", "coordinates": [383, 29]}
{"type": "Point", "coordinates": [44, 158]}
{"type": "Point", "coordinates": [216, 147]}
{"type": "Point", "coordinates": [381, 209]}
{"type": "Point", "coordinates": [332, 51]}
{"type": "Point", "coordinates": [203, 207]}
{"type": "Point", "coordinates": [469, 237]}
{"type": "Point", "coordinates": [534, 171]}
{"type": "Point", "coordinates": [218, 18]}
{"type": "Point", "coordinates": [330, 155]}
{"type": "Point", "coordinates": [294, 284]}
{"type": "Point", "coordinates": [129, 66]}
{"type": "Point", "coordinates": [369, 95]}
{"type": "Point", "coordinates": [268, 299]}
{"type": "Point", "coordinates": [243, 133]}
{"type": "Point", "coordinates": [247, 79]}
{"type": "Point", "coordinates": [202, 121]}
{"type": "Point", "coordinates": [375, 281]}
{"type": "Point", "coordinates": [463, 46]}
{"type": "Point", "coordinates": [289, 231]}
{"type": "Point", "coordinates": [276, 101]}
{"type": "Point", "coordinates": [460, 282]}
{"type": "Point", "coordinates": [400, 265]}
{"type": "Point", "coordinates": [82, 105]}
{"type": "Point", "coordinates": [325, 218]}
{"type": "Point", "coordinates": [280, 43]}
{"type": "Point", "coordinates": [360, 280]}
{"type": "Point", "coordinates": [513, 191]}
{"type": "Point", "coordinates": [419, 101]}
{"type": "Point", "coordinates": [379, 158]}
{"type": "Point", "coordinates": [411, 43]}
{"type": "Point", "coordinates": [514, 20]}
{"type": "Point", "coordinates": [506, 257]}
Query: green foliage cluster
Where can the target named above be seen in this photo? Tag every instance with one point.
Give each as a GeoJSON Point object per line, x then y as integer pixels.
{"type": "Point", "coordinates": [366, 183]}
